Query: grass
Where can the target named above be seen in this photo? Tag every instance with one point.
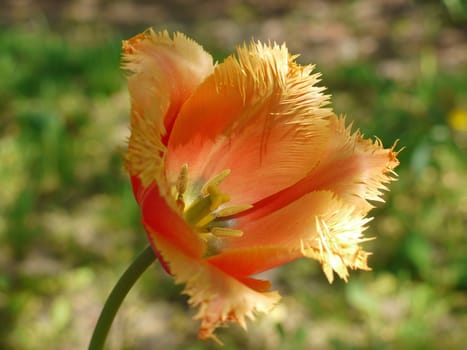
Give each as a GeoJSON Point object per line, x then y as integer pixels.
{"type": "Point", "coordinates": [69, 224]}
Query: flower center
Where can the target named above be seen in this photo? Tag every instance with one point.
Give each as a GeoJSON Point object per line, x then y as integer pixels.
{"type": "Point", "coordinates": [208, 213]}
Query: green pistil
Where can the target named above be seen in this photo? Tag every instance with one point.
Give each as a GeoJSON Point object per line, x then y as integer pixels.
{"type": "Point", "coordinates": [199, 210]}
{"type": "Point", "coordinates": [200, 213]}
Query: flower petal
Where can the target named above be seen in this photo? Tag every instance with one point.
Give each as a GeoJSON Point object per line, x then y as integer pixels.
{"type": "Point", "coordinates": [354, 168]}
{"type": "Point", "coordinates": [252, 260]}
{"type": "Point", "coordinates": [220, 297]}
{"type": "Point", "coordinates": [285, 227]}
{"type": "Point", "coordinates": [259, 115]}
{"type": "Point", "coordinates": [319, 225]}
{"type": "Point", "coordinates": [163, 74]}
{"type": "Point", "coordinates": [162, 219]}
{"type": "Point", "coordinates": [351, 167]}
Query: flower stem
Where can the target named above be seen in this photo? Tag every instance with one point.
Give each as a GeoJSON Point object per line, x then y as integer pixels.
{"type": "Point", "coordinates": [116, 296]}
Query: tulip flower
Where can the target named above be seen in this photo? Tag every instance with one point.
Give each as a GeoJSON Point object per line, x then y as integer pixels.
{"type": "Point", "coordinates": [242, 166]}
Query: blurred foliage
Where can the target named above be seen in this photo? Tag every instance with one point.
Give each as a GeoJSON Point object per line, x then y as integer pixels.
{"type": "Point", "coordinates": [69, 224]}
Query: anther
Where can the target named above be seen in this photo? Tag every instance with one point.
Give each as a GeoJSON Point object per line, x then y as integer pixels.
{"type": "Point", "coordinates": [235, 209]}
{"type": "Point", "coordinates": [226, 232]}
{"type": "Point", "coordinates": [181, 185]}
{"type": "Point", "coordinates": [214, 181]}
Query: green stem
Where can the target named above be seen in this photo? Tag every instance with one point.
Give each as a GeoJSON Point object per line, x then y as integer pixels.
{"type": "Point", "coordinates": [118, 293]}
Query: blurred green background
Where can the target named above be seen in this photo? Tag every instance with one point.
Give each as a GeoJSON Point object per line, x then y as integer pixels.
{"type": "Point", "coordinates": [69, 225]}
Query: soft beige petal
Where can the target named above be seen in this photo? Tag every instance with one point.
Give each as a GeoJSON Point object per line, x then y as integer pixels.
{"type": "Point", "coordinates": [164, 71]}
{"type": "Point", "coordinates": [260, 115]}
{"type": "Point", "coordinates": [220, 298]}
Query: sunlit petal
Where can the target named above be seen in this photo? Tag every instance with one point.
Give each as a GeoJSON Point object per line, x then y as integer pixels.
{"type": "Point", "coordinates": [260, 114]}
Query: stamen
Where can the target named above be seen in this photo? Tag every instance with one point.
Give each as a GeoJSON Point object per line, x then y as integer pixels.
{"type": "Point", "coordinates": [217, 197]}
{"type": "Point", "coordinates": [205, 220]}
{"type": "Point", "coordinates": [226, 232]}
{"type": "Point", "coordinates": [180, 186]}
{"type": "Point", "coordinates": [214, 181]}
{"type": "Point", "coordinates": [206, 236]}
{"type": "Point", "coordinates": [235, 209]}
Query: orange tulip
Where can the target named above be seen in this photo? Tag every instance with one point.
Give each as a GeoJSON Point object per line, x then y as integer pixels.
{"type": "Point", "coordinates": [240, 167]}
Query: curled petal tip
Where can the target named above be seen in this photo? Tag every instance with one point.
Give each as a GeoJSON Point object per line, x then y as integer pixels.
{"type": "Point", "coordinates": [128, 45]}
